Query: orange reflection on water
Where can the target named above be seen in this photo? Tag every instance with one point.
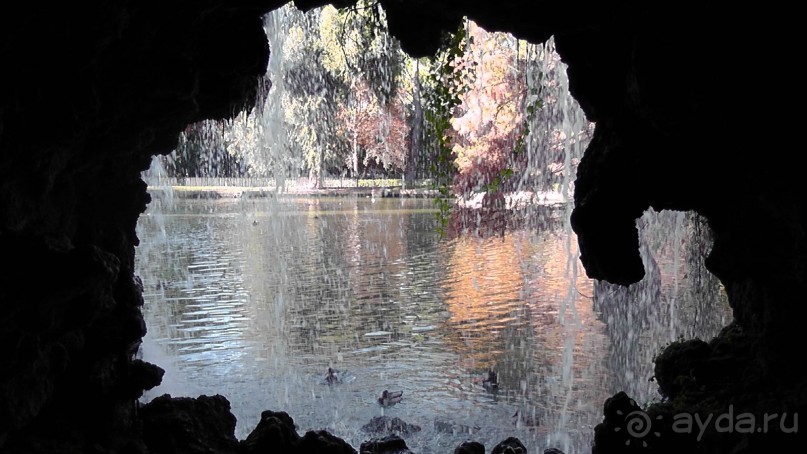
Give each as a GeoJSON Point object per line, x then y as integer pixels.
{"type": "Point", "coordinates": [518, 305]}
{"type": "Point", "coordinates": [482, 293]}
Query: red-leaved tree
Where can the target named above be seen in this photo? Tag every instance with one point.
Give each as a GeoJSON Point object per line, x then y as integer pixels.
{"type": "Point", "coordinates": [490, 119]}
{"type": "Point", "coordinates": [376, 133]}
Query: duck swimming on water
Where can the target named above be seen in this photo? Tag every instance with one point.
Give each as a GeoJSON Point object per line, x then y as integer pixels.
{"type": "Point", "coordinates": [390, 398]}
{"type": "Point", "coordinates": [331, 376]}
{"type": "Point", "coordinates": [491, 384]}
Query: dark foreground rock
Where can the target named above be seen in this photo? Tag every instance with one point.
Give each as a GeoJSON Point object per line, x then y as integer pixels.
{"type": "Point", "coordinates": [205, 425]}
{"type": "Point", "coordinates": [275, 432]}
{"type": "Point", "coordinates": [320, 441]}
{"type": "Point", "coordinates": [470, 447]}
{"type": "Point", "coordinates": [717, 402]}
{"type": "Point", "coordinates": [391, 444]}
{"type": "Point", "coordinates": [511, 445]}
{"type": "Point", "coordinates": [185, 425]}
{"type": "Point", "coordinates": [713, 428]}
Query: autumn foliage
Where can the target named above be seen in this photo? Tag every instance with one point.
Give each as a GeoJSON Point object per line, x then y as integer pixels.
{"type": "Point", "coordinates": [488, 124]}
{"type": "Point", "coordinates": [377, 134]}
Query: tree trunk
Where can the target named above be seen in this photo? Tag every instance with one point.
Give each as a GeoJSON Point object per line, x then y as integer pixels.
{"type": "Point", "coordinates": [355, 146]}
{"type": "Point", "coordinates": [321, 168]}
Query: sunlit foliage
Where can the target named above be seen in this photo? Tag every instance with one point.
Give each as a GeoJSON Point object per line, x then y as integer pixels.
{"type": "Point", "coordinates": [488, 116]}
{"type": "Point", "coordinates": [448, 79]}
{"type": "Point", "coordinates": [341, 106]}
{"type": "Point", "coordinates": [490, 119]}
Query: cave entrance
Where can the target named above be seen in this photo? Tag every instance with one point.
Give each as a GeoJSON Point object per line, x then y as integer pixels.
{"type": "Point", "coordinates": [405, 222]}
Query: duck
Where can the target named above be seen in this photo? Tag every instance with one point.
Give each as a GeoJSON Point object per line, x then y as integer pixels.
{"type": "Point", "coordinates": [491, 384]}
{"type": "Point", "coordinates": [331, 377]}
{"type": "Point", "coordinates": [390, 398]}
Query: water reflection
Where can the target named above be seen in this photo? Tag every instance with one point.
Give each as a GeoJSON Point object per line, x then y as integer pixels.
{"type": "Point", "coordinates": [255, 299]}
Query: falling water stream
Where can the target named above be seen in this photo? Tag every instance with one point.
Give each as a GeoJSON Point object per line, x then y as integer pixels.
{"type": "Point", "coordinates": [254, 298]}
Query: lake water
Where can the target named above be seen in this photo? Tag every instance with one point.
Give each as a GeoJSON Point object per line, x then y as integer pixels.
{"type": "Point", "coordinates": [255, 298]}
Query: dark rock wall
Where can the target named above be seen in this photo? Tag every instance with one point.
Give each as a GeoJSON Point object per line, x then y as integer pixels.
{"type": "Point", "coordinates": [89, 93]}
{"type": "Point", "coordinates": [697, 108]}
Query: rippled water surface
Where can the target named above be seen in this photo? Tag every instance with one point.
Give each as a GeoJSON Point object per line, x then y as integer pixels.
{"type": "Point", "coordinates": [255, 299]}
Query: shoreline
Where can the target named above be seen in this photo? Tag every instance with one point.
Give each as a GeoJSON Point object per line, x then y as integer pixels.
{"type": "Point", "coordinates": [514, 200]}
{"type": "Point", "coordinates": [222, 192]}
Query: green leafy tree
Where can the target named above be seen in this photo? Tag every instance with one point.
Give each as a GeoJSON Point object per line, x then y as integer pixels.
{"type": "Point", "coordinates": [312, 97]}
{"type": "Point", "coordinates": [202, 151]}
{"type": "Point", "coordinates": [448, 79]}
{"type": "Point", "coordinates": [341, 105]}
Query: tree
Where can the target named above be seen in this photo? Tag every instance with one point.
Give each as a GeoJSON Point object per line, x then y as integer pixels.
{"type": "Point", "coordinates": [489, 120]}
{"type": "Point", "coordinates": [203, 151]}
{"type": "Point", "coordinates": [372, 119]}
{"type": "Point", "coordinates": [512, 123]}
{"type": "Point", "coordinates": [312, 97]}
{"type": "Point", "coordinates": [447, 81]}
{"type": "Point", "coordinates": [341, 105]}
